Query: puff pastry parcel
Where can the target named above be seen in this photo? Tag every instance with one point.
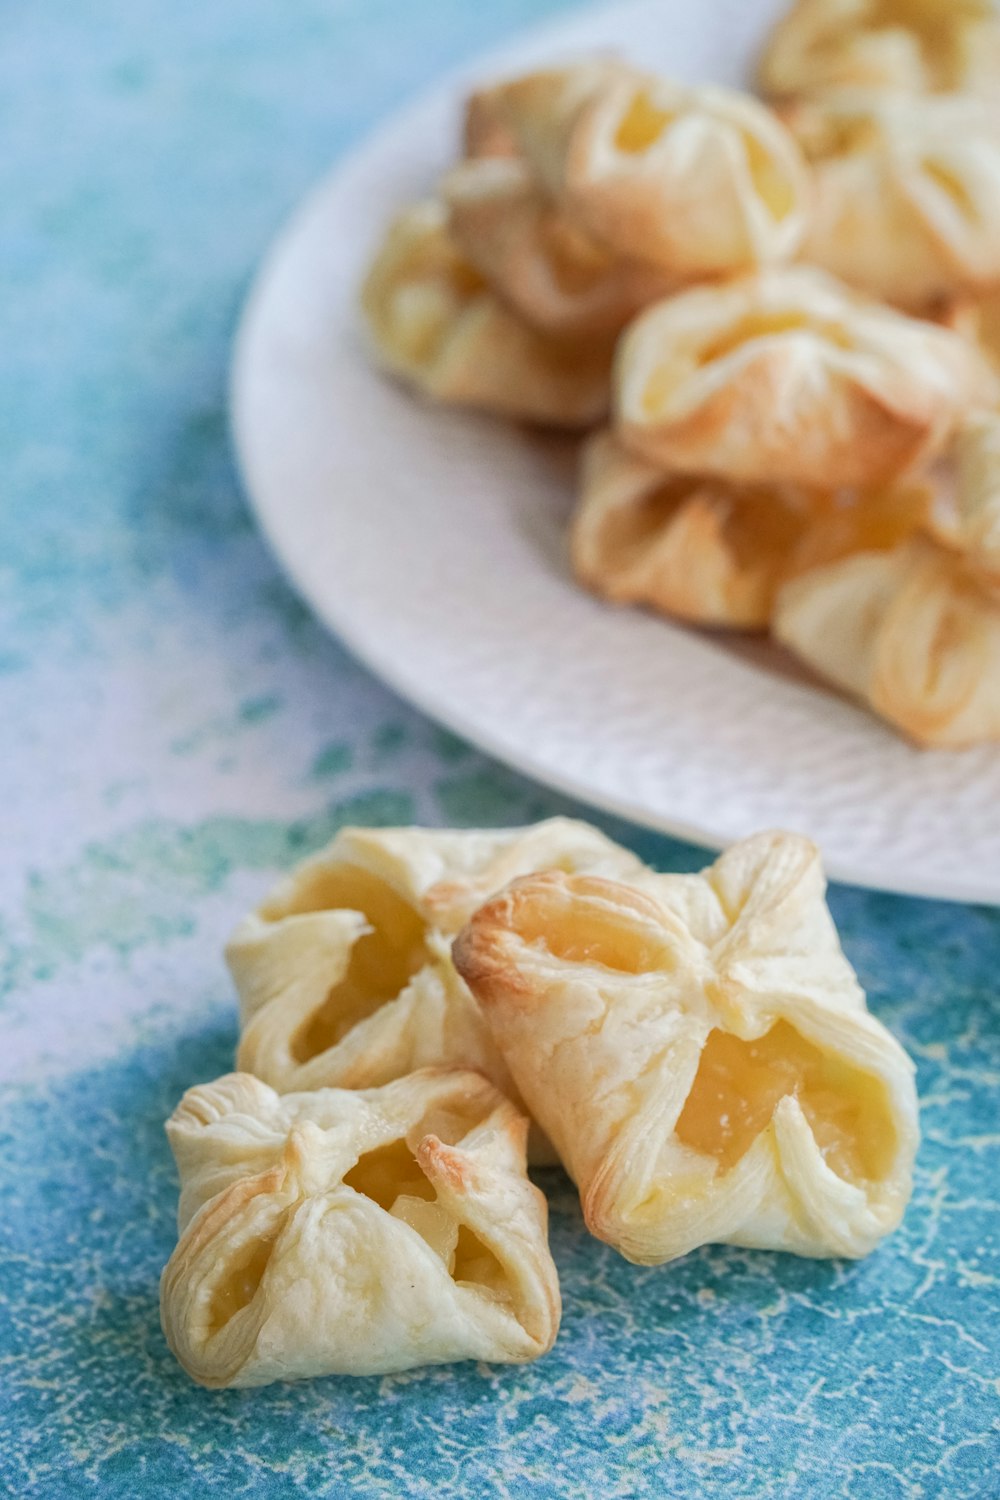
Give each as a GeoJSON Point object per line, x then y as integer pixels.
{"type": "Point", "coordinates": [354, 1233]}
{"type": "Point", "coordinates": [716, 553]}
{"type": "Point", "coordinates": [788, 377]}
{"type": "Point", "coordinates": [701, 549]}
{"type": "Point", "coordinates": [344, 973]}
{"type": "Point", "coordinates": [550, 271]}
{"type": "Point", "coordinates": [435, 323]}
{"type": "Point", "coordinates": [906, 194]}
{"type": "Point", "coordinates": [696, 181]}
{"type": "Point", "coordinates": [903, 611]}
{"type": "Point", "coordinates": [700, 1051]}
{"type": "Point", "coordinates": [913, 631]}
{"type": "Point", "coordinates": [907, 45]}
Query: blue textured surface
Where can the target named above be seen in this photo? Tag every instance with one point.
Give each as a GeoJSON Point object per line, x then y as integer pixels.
{"type": "Point", "coordinates": [183, 731]}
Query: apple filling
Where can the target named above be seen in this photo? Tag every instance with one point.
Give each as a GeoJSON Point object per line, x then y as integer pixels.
{"type": "Point", "coordinates": [740, 1083]}
{"type": "Point", "coordinates": [239, 1287]}
{"type": "Point", "coordinates": [382, 961]}
{"type": "Point", "coordinates": [391, 1176]}
{"type": "Point", "coordinates": [642, 124]}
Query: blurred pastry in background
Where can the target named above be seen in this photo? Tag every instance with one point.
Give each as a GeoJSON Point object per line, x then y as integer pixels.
{"type": "Point", "coordinates": [697, 182]}
{"type": "Point", "coordinates": [435, 323]}
{"type": "Point", "coordinates": [788, 377]}
{"type": "Point", "coordinates": [914, 46]}
{"type": "Point", "coordinates": [906, 194]}
{"type": "Point", "coordinates": [716, 552]}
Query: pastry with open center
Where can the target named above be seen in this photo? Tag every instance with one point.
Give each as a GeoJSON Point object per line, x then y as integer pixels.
{"type": "Point", "coordinates": [699, 1049]}
{"type": "Point", "coordinates": [696, 181]}
{"type": "Point", "coordinates": [913, 627]}
{"type": "Point", "coordinates": [908, 45]}
{"type": "Point", "coordinates": [787, 377]}
{"type": "Point", "coordinates": [344, 972]}
{"type": "Point", "coordinates": [906, 194]}
{"type": "Point", "coordinates": [354, 1233]}
{"type": "Point", "coordinates": [435, 323]}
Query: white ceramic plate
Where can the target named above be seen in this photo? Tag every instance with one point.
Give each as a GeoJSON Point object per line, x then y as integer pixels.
{"type": "Point", "coordinates": [432, 542]}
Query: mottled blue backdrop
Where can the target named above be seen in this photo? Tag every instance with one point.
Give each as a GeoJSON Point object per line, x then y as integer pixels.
{"type": "Point", "coordinates": [176, 730]}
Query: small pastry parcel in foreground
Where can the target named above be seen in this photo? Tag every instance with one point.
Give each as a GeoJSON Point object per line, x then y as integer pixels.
{"type": "Point", "coordinates": [906, 194]}
{"type": "Point", "coordinates": [914, 629]}
{"type": "Point", "coordinates": [699, 1049]}
{"type": "Point", "coordinates": [354, 1233]}
{"type": "Point", "coordinates": [435, 323]}
{"type": "Point", "coordinates": [787, 377]}
{"type": "Point", "coordinates": [913, 46]}
{"type": "Point", "coordinates": [344, 972]}
{"type": "Point", "coordinates": [694, 181]}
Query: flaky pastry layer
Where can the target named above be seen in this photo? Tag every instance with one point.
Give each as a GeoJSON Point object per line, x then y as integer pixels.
{"type": "Point", "coordinates": [787, 377]}
{"type": "Point", "coordinates": [909, 46]}
{"type": "Point", "coordinates": [354, 1233]}
{"type": "Point", "coordinates": [699, 1049]}
{"type": "Point", "coordinates": [344, 972]}
{"type": "Point", "coordinates": [435, 323]}
{"type": "Point", "coordinates": [695, 181]}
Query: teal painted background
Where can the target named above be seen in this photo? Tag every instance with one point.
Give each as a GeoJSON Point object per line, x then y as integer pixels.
{"type": "Point", "coordinates": [176, 730]}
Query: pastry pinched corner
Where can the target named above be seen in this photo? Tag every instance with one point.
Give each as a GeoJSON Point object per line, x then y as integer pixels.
{"type": "Point", "coordinates": [334, 1232]}
{"type": "Point", "coordinates": [699, 1050]}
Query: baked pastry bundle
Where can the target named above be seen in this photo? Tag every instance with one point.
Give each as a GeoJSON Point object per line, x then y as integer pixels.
{"type": "Point", "coordinates": [585, 193]}
{"type": "Point", "coordinates": [435, 322]}
{"type": "Point", "coordinates": [344, 972]}
{"type": "Point", "coordinates": [354, 1233]}
{"type": "Point", "coordinates": [905, 193]}
{"type": "Point", "coordinates": [717, 552]}
{"type": "Point", "coordinates": [696, 1047]}
{"type": "Point", "coordinates": [788, 377]}
{"type": "Point", "coordinates": [780, 322]}
{"type": "Point", "coordinates": [910, 46]}
{"type": "Point", "coordinates": [912, 626]}
{"type": "Point", "coordinates": [699, 1050]}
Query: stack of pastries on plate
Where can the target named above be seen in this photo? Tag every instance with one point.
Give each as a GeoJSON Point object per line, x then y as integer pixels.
{"type": "Point", "coordinates": [779, 322]}
{"type": "Point", "coordinates": [424, 1012]}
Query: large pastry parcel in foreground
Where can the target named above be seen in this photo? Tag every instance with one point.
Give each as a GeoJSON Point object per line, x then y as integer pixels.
{"type": "Point", "coordinates": [699, 1051]}
{"type": "Point", "coordinates": [354, 1233]}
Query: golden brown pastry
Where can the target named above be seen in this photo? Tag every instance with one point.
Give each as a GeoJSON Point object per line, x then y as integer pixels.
{"type": "Point", "coordinates": [864, 521]}
{"type": "Point", "coordinates": [786, 377]}
{"type": "Point", "coordinates": [484, 132]}
{"type": "Point", "coordinates": [696, 181]}
{"type": "Point", "coordinates": [435, 323]}
{"type": "Point", "coordinates": [906, 194]}
{"type": "Point", "coordinates": [716, 553]}
{"type": "Point", "coordinates": [553, 274]}
{"type": "Point", "coordinates": [976, 526]}
{"type": "Point", "coordinates": [907, 45]}
{"type": "Point", "coordinates": [913, 631]}
{"type": "Point", "coordinates": [978, 320]}
{"type": "Point", "coordinates": [703, 550]}
{"type": "Point", "coordinates": [540, 110]}
{"type": "Point", "coordinates": [354, 1233]}
{"type": "Point", "coordinates": [700, 1051]}
{"type": "Point", "coordinates": [344, 972]}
